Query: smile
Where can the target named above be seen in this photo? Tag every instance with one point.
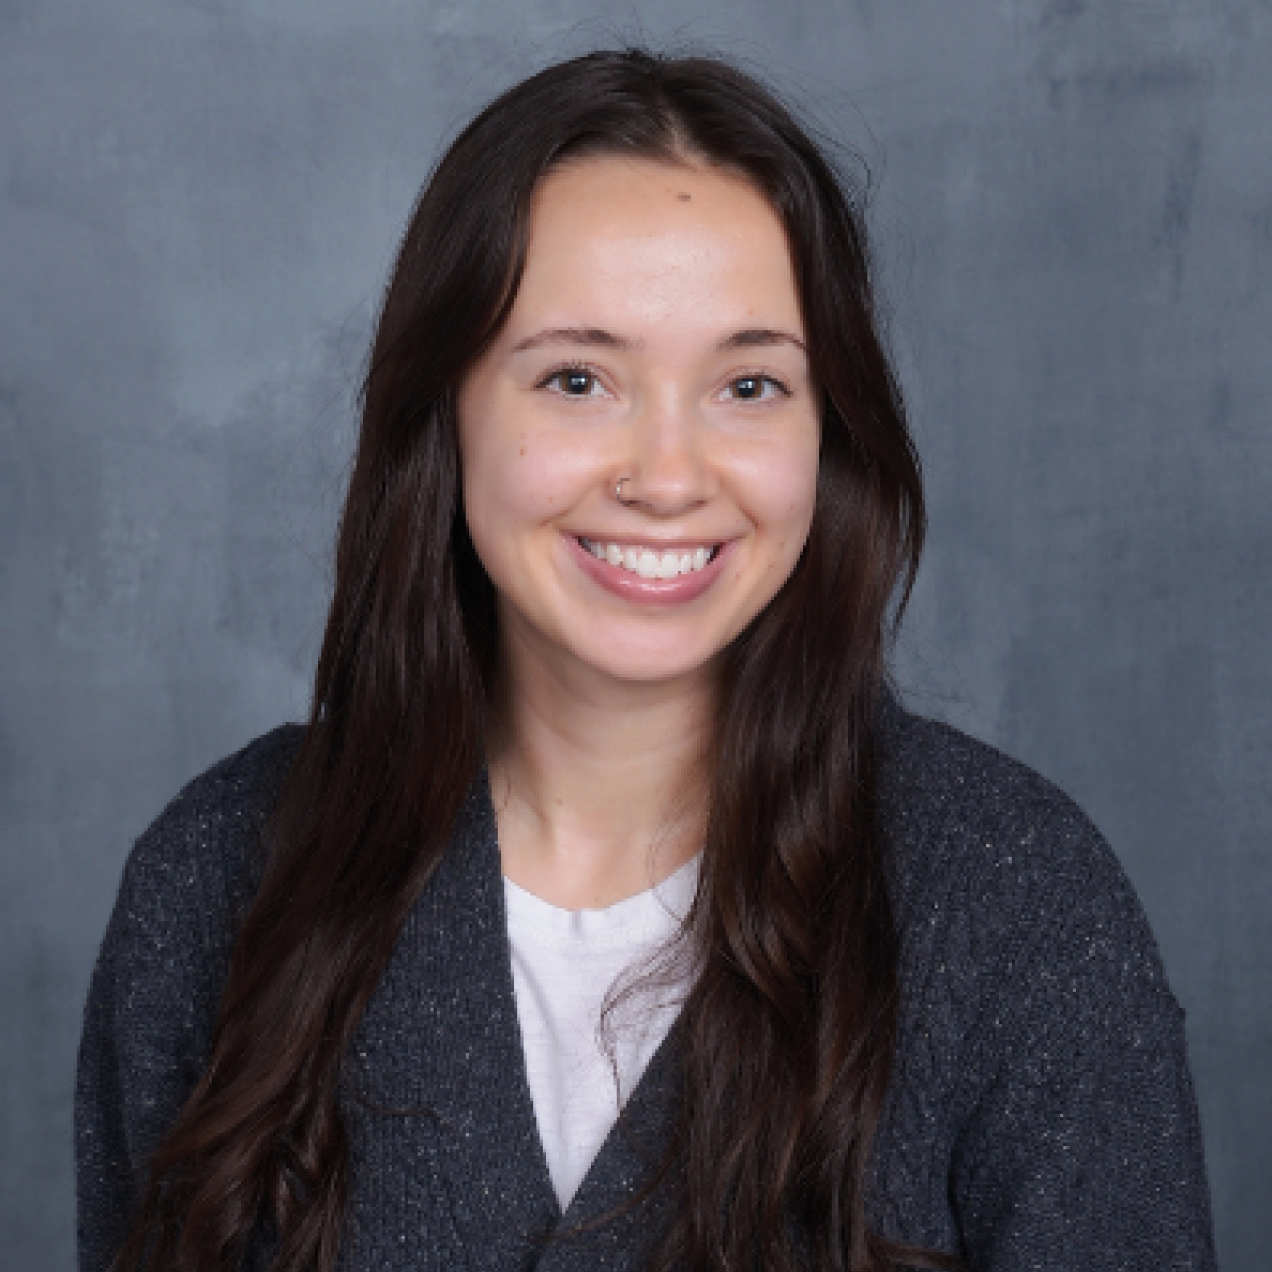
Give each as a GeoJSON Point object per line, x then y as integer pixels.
{"type": "Point", "coordinates": [650, 562]}
{"type": "Point", "coordinates": [646, 574]}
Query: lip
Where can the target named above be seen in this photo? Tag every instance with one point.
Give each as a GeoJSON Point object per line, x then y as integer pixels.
{"type": "Point", "coordinates": [631, 587]}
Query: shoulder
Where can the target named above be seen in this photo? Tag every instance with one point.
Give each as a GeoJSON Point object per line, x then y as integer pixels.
{"type": "Point", "coordinates": [191, 874]}
{"type": "Point", "coordinates": [993, 866]}
{"type": "Point", "coordinates": [162, 964]}
{"type": "Point", "coordinates": [1041, 1054]}
{"type": "Point", "coordinates": [936, 779]}
{"type": "Point", "coordinates": [244, 783]}
{"type": "Point", "coordinates": [213, 824]}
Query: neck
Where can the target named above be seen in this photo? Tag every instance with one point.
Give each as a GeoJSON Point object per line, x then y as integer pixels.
{"type": "Point", "coordinates": [599, 785]}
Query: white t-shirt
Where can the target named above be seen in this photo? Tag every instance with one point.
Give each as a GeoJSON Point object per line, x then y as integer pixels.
{"type": "Point", "coordinates": [563, 963]}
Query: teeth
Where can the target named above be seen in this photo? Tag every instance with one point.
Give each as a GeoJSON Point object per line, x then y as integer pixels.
{"type": "Point", "coordinates": [648, 563]}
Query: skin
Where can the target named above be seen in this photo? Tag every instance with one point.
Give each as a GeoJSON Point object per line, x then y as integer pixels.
{"type": "Point", "coordinates": [597, 747]}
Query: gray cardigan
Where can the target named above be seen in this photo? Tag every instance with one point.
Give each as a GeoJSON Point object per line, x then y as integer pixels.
{"type": "Point", "coordinates": [1041, 1113]}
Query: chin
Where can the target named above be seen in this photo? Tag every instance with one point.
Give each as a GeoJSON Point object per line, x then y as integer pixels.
{"type": "Point", "coordinates": [652, 666]}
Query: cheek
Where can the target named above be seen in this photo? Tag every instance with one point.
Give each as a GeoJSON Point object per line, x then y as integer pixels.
{"type": "Point", "coordinates": [782, 492]}
{"type": "Point", "coordinates": [553, 475]}
{"type": "Point", "coordinates": [515, 481]}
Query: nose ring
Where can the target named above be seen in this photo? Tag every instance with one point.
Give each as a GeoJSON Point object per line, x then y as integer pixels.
{"type": "Point", "coordinates": [618, 492]}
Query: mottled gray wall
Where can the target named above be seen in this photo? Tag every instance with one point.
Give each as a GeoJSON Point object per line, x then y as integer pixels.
{"type": "Point", "coordinates": [198, 202]}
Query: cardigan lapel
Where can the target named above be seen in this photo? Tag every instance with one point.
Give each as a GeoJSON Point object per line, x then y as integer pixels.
{"type": "Point", "coordinates": [627, 1160]}
{"type": "Point", "coordinates": [441, 1035]}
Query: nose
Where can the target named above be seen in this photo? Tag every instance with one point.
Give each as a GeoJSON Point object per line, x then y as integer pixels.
{"type": "Point", "coordinates": [668, 470]}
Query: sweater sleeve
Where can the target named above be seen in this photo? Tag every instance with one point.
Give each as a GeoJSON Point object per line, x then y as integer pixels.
{"type": "Point", "coordinates": [1081, 1150]}
{"type": "Point", "coordinates": [151, 1006]}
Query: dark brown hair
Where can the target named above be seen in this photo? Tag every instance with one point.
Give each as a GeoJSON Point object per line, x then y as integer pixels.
{"type": "Point", "coordinates": [789, 1030]}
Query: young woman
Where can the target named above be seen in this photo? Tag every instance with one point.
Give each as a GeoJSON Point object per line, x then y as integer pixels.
{"type": "Point", "coordinates": [610, 912]}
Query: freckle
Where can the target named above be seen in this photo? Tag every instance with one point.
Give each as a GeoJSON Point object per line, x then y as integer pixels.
{"type": "Point", "coordinates": [684, 198]}
{"type": "Point", "coordinates": [523, 450]}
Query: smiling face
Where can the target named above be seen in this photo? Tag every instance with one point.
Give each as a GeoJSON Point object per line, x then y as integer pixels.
{"type": "Point", "coordinates": [656, 337]}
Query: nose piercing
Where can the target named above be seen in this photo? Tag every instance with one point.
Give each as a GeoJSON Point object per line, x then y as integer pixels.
{"type": "Point", "coordinates": [618, 492]}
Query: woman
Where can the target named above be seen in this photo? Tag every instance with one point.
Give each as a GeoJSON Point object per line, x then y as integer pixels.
{"type": "Point", "coordinates": [602, 759]}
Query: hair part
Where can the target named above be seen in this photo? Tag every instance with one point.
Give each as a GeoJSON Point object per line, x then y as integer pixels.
{"type": "Point", "coordinates": [789, 1029]}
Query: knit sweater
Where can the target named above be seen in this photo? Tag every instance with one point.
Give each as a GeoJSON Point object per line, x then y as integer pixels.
{"type": "Point", "coordinates": [1040, 1114]}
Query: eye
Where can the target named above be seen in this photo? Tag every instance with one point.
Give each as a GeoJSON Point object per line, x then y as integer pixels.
{"type": "Point", "coordinates": [574, 380]}
{"type": "Point", "coordinates": [751, 387]}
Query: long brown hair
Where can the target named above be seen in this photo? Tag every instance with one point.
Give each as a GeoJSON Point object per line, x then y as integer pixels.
{"type": "Point", "coordinates": [789, 1029]}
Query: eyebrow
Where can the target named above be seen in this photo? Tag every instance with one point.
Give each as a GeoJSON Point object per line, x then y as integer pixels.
{"type": "Point", "coordinates": [747, 338]}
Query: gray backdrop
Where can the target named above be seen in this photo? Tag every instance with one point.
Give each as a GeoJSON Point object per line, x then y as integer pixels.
{"type": "Point", "coordinates": [198, 204]}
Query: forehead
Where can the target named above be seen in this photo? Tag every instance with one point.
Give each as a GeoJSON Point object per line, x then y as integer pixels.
{"type": "Point", "coordinates": [637, 241]}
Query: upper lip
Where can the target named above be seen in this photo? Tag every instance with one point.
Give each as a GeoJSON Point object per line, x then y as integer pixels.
{"type": "Point", "coordinates": [627, 541]}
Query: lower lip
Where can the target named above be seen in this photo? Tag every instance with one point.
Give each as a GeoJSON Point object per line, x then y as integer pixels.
{"type": "Point", "coordinates": [631, 587]}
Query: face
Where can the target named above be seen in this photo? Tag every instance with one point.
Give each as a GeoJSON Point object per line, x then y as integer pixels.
{"type": "Point", "coordinates": [656, 338]}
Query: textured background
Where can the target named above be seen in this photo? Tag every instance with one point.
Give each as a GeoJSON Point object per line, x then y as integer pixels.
{"type": "Point", "coordinates": [198, 204]}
